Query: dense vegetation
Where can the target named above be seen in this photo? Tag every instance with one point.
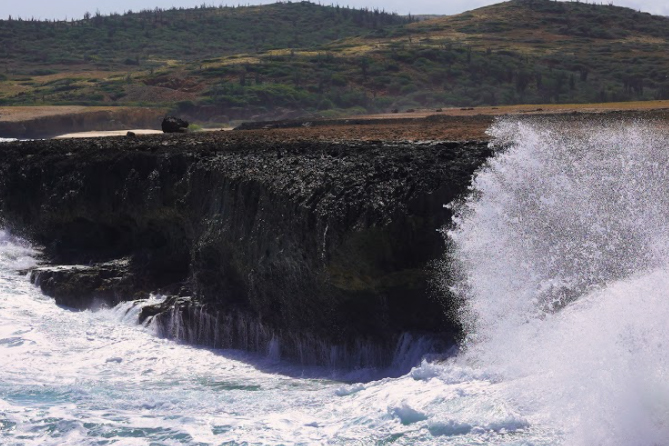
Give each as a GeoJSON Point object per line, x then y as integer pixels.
{"type": "Point", "coordinates": [225, 63]}
{"type": "Point", "coordinates": [182, 34]}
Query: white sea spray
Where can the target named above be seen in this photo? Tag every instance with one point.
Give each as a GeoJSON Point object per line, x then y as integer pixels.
{"type": "Point", "coordinates": [562, 253]}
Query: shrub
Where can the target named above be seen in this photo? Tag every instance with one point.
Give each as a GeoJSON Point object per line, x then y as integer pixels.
{"type": "Point", "coordinates": [184, 106]}
{"type": "Point", "coordinates": [42, 72]}
{"type": "Point", "coordinates": [326, 104]}
{"type": "Point", "coordinates": [338, 80]}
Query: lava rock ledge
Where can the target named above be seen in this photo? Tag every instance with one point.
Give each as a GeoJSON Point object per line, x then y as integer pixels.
{"type": "Point", "coordinates": [318, 250]}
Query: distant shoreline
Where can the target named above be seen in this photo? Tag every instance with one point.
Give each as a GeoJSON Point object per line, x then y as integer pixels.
{"type": "Point", "coordinates": [104, 133]}
{"type": "Point", "coordinates": [44, 122]}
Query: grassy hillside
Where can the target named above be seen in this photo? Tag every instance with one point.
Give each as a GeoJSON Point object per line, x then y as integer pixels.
{"type": "Point", "coordinates": [181, 34]}
{"type": "Point", "coordinates": [546, 51]}
{"type": "Point", "coordinates": [217, 64]}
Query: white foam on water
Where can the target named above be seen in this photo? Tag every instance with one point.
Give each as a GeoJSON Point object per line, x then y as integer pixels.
{"type": "Point", "coordinates": [562, 268]}
{"type": "Point", "coordinates": [89, 378]}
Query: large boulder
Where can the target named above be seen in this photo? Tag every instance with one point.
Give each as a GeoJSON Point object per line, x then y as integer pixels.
{"type": "Point", "coordinates": [174, 125]}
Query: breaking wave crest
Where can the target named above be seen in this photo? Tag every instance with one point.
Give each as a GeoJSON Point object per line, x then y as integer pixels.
{"type": "Point", "coordinates": [562, 269]}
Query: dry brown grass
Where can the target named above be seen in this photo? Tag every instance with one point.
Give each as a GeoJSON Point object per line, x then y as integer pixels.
{"type": "Point", "coordinates": [528, 109]}
{"type": "Point", "coordinates": [25, 113]}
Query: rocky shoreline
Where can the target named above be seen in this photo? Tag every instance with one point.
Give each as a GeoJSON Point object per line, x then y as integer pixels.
{"type": "Point", "coordinates": [317, 249]}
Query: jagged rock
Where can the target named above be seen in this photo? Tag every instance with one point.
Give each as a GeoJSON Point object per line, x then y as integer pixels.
{"type": "Point", "coordinates": [87, 286]}
{"type": "Point", "coordinates": [172, 303]}
{"type": "Point", "coordinates": [174, 125]}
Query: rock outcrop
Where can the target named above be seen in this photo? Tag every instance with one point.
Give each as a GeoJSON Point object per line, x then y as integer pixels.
{"type": "Point", "coordinates": [171, 124]}
{"type": "Point", "coordinates": [315, 246]}
{"type": "Point", "coordinates": [87, 286]}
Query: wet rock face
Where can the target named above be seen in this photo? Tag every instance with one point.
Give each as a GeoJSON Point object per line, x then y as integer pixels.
{"type": "Point", "coordinates": [87, 286]}
{"type": "Point", "coordinates": [321, 239]}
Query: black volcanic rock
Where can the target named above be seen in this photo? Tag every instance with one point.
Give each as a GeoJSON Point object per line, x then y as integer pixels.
{"type": "Point", "coordinates": [174, 125]}
{"type": "Point", "coordinates": [318, 242]}
{"type": "Point", "coordinates": [87, 286]}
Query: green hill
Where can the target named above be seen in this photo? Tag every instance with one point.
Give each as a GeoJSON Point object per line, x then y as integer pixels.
{"type": "Point", "coordinates": [218, 64]}
{"type": "Point", "coordinates": [181, 34]}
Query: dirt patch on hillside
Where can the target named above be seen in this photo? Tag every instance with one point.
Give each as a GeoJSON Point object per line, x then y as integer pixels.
{"type": "Point", "coordinates": [17, 114]}
{"type": "Point", "coordinates": [156, 94]}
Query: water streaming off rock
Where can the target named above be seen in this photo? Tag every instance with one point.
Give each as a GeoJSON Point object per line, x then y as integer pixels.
{"type": "Point", "coordinates": [560, 261]}
{"type": "Point", "coordinates": [197, 324]}
{"type": "Point", "coordinates": [100, 378]}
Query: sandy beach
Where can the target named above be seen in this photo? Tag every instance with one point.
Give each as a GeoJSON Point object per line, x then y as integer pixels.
{"type": "Point", "coordinates": [97, 134]}
{"type": "Point", "coordinates": [51, 121]}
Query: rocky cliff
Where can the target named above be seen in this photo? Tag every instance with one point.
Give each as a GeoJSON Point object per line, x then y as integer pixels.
{"type": "Point", "coordinates": [318, 249]}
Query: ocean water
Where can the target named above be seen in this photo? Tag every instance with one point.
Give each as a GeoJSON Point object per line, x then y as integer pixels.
{"type": "Point", "coordinates": [99, 378]}
{"type": "Point", "coordinates": [561, 269]}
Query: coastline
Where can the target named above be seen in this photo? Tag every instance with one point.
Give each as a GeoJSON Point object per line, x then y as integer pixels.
{"type": "Point", "coordinates": [107, 133]}
{"type": "Point", "coordinates": [319, 245]}
{"type": "Point", "coordinates": [43, 122]}
{"type": "Point", "coordinates": [102, 134]}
